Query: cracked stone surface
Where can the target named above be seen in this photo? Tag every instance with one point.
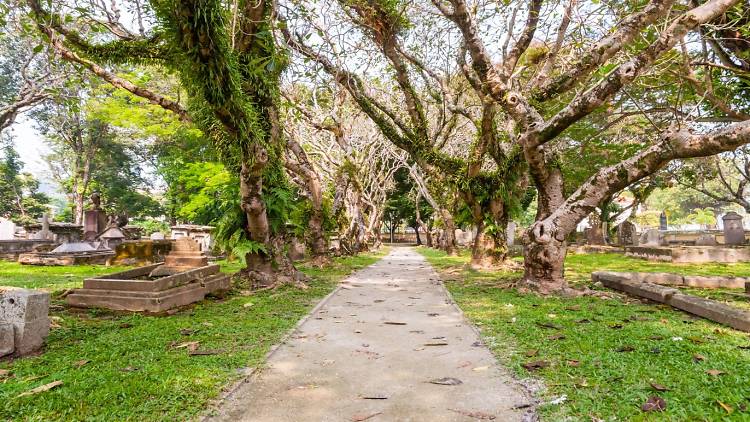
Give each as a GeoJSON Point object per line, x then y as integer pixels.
{"type": "Point", "coordinates": [370, 353]}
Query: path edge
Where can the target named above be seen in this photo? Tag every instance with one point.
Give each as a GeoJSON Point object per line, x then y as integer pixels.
{"type": "Point", "coordinates": [531, 412]}
{"type": "Point", "coordinates": [232, 388]}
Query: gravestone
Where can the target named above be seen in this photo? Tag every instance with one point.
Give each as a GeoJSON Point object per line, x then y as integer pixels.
{"type": "Point", "coordinates": [94, 220]}
{"type": "Point", "coordinates": [663, 221]}
{"type": "Point", "coordinates": [706, 239]}
{"type": "Point", "coordinates": [7, 229]}
{"type": "Point", "coordinates": [734, 232]}
{"type": "Point", "coordinates": [651, 238]}
{"type": "Point", "coordinates": [157, 236]}
{"type": "Point", "coordinates": [626, 234]}
{"type": "Point", "coordinates": [24, 313]}
{"type": "Point", "coordinates": [510, 234]}
{"type": "Point", "coordinates": [296, 250]}
{"type": "Point", "coordinates": [594, 235]}
{"type": "Point", "coordinates": [45, 233]}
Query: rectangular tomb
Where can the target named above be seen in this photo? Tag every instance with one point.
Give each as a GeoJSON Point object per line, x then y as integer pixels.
{"type": "Point", "coordinates": [134, 290]}
{"type": "Point", "coordinates": [690, 254]}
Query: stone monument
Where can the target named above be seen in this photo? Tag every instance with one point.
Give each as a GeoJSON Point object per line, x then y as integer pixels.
{"type": "Point", "coordinates": [734, 232]}
{"type": "Point", "coordinates": [706, 239]}
{"type": "Point", "coordinates": [626, 234]}
{"type": "Point", "coordinates": [185, 255]}
{"type": "Point", "coordinates": [24, 320]}
{"type": "Point", "coordinates": [510, 233]}
{"type": "Point", "coordinates": [45, 233]}
{"type": "Point", "coordinates": [651, 238]}
{"type": "Point", "coordinates": [594, 235]}
{"type": "Point", "coordinates": [663, 221]}
{"type": "Point", "coordinates": [94, 220]}
{"type": "Point", "coordinates": [7, 229]}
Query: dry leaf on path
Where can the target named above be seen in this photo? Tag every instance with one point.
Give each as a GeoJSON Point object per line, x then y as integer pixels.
{"type": "Point", "coordinates": [41, 389]}
{"type": "Point", "coordinates": [482, 416]}
{"type": "Point", "coordinates": [446, 381]}
{"type": "Point", "coordinates": [362, 417]}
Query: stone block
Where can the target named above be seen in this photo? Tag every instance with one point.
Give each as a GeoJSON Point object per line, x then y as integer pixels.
{"type": "Point", "coordinates": [713, 310]}
{"type": "Point", "coordinates": [7, 339]}
{"type": "Point", "coordinates": [27, 312]}
{"type": "Point", "coordinates": [715, 282]}
{"type": "Point", "coordinates": [669, 279]}
{"type": "Point", "coordinates": [622, 282]}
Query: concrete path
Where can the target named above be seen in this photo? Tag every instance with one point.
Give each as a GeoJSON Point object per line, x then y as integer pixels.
{"type": "Point", "coordinates": [370, 351]}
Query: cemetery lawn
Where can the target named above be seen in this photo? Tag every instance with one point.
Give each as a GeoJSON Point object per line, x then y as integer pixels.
{"type": "Point", "coordinates": [606, 357]}
{"type": "Point", "coordinates": [116, 366]}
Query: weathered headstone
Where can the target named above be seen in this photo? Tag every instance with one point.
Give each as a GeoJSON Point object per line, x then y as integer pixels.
{"type": "Point", "coordinates": [651, 238]}
{"type": "Point", "coordinates": [112, 236]}
{"type": "Point", "coordinates": [706, 239]}
{"type": "Point", "coordinates": [594, 235]}
{"type": "Point", "coordinates": [157, 236]}
{"type": "Point", "coordinates": [296, 250]}
{"type": "Point", "coordinates": [510, 233]}
{"type": "Point", "coordinates": [626, 233]}
{"type": "Point", "coordinates": [663, 221]}
{"type": "Point", "coordinates": [734, 232]}
{"type": "Point", "coordinates": [45, 233]}
{"type": "Point", "coordinates": [94, 220]}
{"type": "Point", "coordinates": [26, 312]}
{"type": "Point", "coordinates": [7, 229]}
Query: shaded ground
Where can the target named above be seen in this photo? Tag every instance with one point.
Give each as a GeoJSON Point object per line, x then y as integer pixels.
{"type": "Point", "coordinates": [606, 357]}
{"type": "Point", "coordinates": [382, 348]}
{"type": "Point", "coordinates": [117, 366]}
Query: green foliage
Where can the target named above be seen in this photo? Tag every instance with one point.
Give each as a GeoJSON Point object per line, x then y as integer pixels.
{"type": "Point", "coordinates": [150, 226]}
{"type": "Point", "coordinates": [20, 199]}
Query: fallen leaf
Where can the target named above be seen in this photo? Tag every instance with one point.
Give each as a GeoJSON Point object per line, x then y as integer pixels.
{"type": "Point", "coordinates": [125, 325]}
{"type": "Point", "coordinates": [583, 321]}
{"type": "Point", "coordinates": [375, 397]}
{"type": "Point", "coordinates": [557, 336]}
{"type": "Point", "coordinates": [532, 353]}
{"type": "Point", "coordinates": [616, 326]}
{"type": "Point", "coordinates": [654, 404]}
{"type": "Point", "coordinates": [362, 417]}
{"type": "Point", "coordinates": [446, 381]}
{"type": "Point", "coordinates": [656, 338]}
{"type": "Point", "coordinates": [437, 343]}
{"type": "Point", "coordinates": [206, 352]}
{"type": "Point", "coordinates": [574, 363]}
{"type": "Point", "coordinates": [187, 331]}
{"type": "Point", "coordinates": [573, 308]}
{"type": "Point", "coordinates": [394, 323]}
{"type": "Point", "coordinates": [534, 365]}
{"type": "Point", "coordinates": [715, 372]}
{"type": "Point", "coordinates": [475, 415]}
{"type": "Point", "coordinates": [626, 348]}
{"type": "Point", "coordinates": [548, 325]}
{"type": "Point", "coordinates": [80, 363]}
{"type": "Point", "coordinates": [41, 389]}
{"type": "Point", "coordinates": [4, 373]}
{"type": "Point", "coordinates": [191, 346]}
{"type": "Point", "coordinates": [582, 383]}
{"type": "Point", "coordinates": [658, 387]}
{"type": "Point", "coordinates": [698, 358]}
{"type": "Point", "coordinates": [726, 407]}
{"type": "Point", "coordinates": [480, 368]}
{"type": "Point", "coordinates": [696, 340]}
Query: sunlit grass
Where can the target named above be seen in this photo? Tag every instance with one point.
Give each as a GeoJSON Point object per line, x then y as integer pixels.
{"type": "Point", "coordinates": [609, 381]}
{"type": "Point", "coordinates": [133, 369]}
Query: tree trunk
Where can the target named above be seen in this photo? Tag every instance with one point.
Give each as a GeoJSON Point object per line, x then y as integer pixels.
{"type": "Point", "coordinates": [449, 232]}
{"type": "Point", "coordinates": [543, 265]}
{"type": "Point", "coordinates": [489, 249]}
{"type": "Point", "coordinates": [416, 231]}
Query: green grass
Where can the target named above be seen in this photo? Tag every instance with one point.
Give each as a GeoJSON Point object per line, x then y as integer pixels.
{"type": "Point", "coordinates": [610, 382]}
{"type": "Point", "coordinates": [133, 369]}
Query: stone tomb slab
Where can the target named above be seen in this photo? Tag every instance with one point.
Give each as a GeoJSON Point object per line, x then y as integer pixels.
{"type": "Point", "coordinates": [132, 291]}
